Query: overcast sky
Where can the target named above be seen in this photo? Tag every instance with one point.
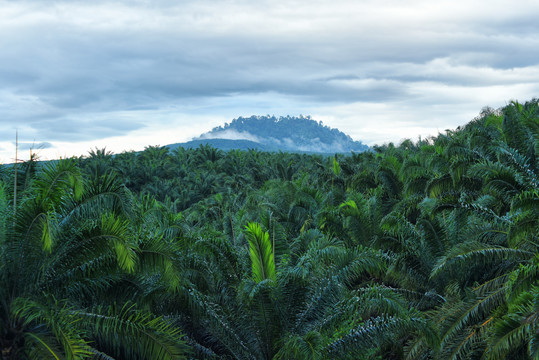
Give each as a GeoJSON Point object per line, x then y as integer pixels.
{"type": "Point", "coordinates": [75, 75]}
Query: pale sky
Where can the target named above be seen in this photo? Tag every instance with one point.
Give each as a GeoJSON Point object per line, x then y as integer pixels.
{"type": "Point", "coordinates": [75, 75]}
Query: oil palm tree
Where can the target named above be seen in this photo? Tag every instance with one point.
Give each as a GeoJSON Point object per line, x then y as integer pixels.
{"type": "Point", "coordinates": [67, 244]}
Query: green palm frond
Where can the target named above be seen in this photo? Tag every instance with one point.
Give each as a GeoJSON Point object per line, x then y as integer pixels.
{"type": "Point", "coordinates": [524, 231]}
{"type": "Point", "coordinates": [128, 333]}
{"type": "Point", "coordinates": [155, 255]}
{"type": "Point", "coordinates": [228, 258]}
{"type": "Point", "coordinates": [298, 347]}
{"type": "Point", "coordinates": [516, 131]}
{"type": "Point", "coordinates": [478, 254]}
{"type": "Point", "coordinates": [57, 179]}
{"type": "Point", "coordinates": [518, 328]}
{"type": "Point", "coordinates": [97, 241]}
{"type": "Point", "coordinates": [91, 254]}
{"type": "Point", "coordinates": [432, 235]}
{"type": "Point", "coordinates": [105, 192]}
{"type": "Point", "coordinates": [348, 266]}
{"type": "Point", "coordinates": [522, 278]}
{"type": "Point", "coordinates": [61, 326]}
{"type": "Point", "coordinates": [98, 355]}
{"type": "Point", "coordinates": [397, 225]}
{"type": "Point", "coordinates": [357, 265]}
{"type": "Point", "coordinates": [277, 233]}
{"type": "Point", "coordinates": [261, 253]}
{"type": "Point", "coordinates": [260, 307]}
{"type": "Point", "coordinates": [33, 225]}
{"type": "Point", "coordinates": [389, 181]}
{"type": "Point", "coordinates": [378, 300]}
{"type": "Point", "coordinates": [526, 173]}
{"type": "Point", "coordinates": [377, 332]}
{"type": "Point", "coordinates": [439, 186]}
{"type": "Point", "coordinates": [526, 201]}
{"type": "Point", "coordinates": [33, 222]}
{"type": "Point", "coordinates": [223, 326]}
{"type": "Point", "coordinates": [312, 313]}
{"type": "Point", "coordinates": [336, 167]}
{"type": "Point", "coordinates": [413, 168]}
{"type": "Point", "coordinates": [466, 322]}
{"type": "Point", "coordinates": [115, 231]}
{"type": "Point", "coordinates": [359, 218]}
{"type": "Point", "coordinates": [42, 346]}
{"type": "Point", "coordinates": [4, 215]}
{"type": "Point", "coordinates": [50, 229]}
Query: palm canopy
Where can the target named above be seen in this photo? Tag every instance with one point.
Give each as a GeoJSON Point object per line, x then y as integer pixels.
{"type": "Point", "coordinates": [423, 250]}
{"type": "Point", "coordinates": [67, 242]}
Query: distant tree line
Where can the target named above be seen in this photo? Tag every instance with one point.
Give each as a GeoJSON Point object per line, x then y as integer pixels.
{"type": "Point", "coordinates": [298, 130]}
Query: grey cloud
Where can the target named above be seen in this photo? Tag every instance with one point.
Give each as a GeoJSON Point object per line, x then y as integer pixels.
{"type": "Point", "coordinates": [34, 146]}
{"type": "Point", "coordinates": [111, 71]}
{"type": "Point", "coordinates": [69, 71]}
{"type": "Point", "coordinates": [80, 129]}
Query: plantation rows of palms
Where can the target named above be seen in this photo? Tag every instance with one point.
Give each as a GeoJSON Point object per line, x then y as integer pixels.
{"type": "Point", "coordinates": [426, 250]}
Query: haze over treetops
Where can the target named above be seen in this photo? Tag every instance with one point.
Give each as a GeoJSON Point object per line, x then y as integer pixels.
{"type": "Point", "coordinates": [289, 133]}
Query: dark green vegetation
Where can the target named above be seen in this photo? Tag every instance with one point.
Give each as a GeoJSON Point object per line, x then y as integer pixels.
{"type": "Point", "coordinates": [268, 133]}
{"type": "Point", "coordinates": [425, 250]}
{"type": "Point", "coordinates": [222, 144]}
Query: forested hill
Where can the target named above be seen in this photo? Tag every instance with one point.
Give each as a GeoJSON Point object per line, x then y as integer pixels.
{"type": "Point", "coordinates": [296, 134]}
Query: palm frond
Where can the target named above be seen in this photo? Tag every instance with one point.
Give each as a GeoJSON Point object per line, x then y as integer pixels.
{"type": "Point", "coordinates": [115, 230]}
{"type": "Point", "coordinates": [55, 180]}
{"type": "Point", "coordinates": [300, 347]}
{"type": "Point", "coordinates": [378, 332]}
{"type": "Point", "coordinates": [518, 328]}
{"type": "Point", "coordinates": [478, 254]}
{"type": "Point", "coordinates": [128, 333]}
{"type": "Point", "coordinates": [155, 255]}
{"type": "Point", "coordinates": [261, 252]}
{"type": "Point", "coordinates": [59, 320]}
{"type": "Point", "coordinates": [42, 346]}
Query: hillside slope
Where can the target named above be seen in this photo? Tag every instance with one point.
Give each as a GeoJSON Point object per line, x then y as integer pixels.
{"type": "Point", "coordinates": [296, 134]}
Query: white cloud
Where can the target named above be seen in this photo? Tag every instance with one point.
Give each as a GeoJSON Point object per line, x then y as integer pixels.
{"type": "Point", "coordinates": [229, 135]}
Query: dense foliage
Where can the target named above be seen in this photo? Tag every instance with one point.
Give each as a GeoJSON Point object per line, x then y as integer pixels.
{"type": "Point", "coordinates": [426, 250]}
